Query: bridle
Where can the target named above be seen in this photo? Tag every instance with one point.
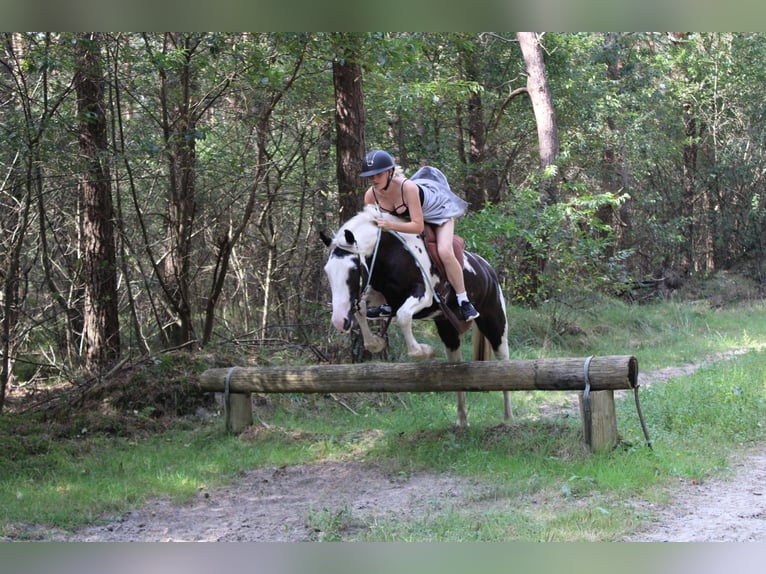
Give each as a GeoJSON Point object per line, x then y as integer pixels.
{"type": "Point", "coordinates": [365, 278]}
{"type": "Point", "coordinates": [365, 275]}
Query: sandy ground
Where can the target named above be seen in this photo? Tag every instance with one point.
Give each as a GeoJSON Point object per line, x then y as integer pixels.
{"type": "Point", "coordinates": [730, 510]}
{"type": "Point", "coordinates": [290, 504]}
{"type": "Point", "coordinates": [306, 502]}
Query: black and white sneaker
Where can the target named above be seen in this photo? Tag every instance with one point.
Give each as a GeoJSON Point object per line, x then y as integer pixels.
{"type": "Point", "coordinates": [377, 312]}
{"type": "Point", "coordinates": [468, 311]}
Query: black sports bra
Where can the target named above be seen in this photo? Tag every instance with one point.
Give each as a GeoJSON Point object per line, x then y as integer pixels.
{"type": "Point", "coordinates": [396, 210]}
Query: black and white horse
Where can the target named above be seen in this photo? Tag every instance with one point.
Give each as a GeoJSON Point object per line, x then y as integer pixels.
{"type": "Point", "coordinates": [363, 260]}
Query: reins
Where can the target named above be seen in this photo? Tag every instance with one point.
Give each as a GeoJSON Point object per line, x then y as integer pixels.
{"type": "Point", "coordinates": [372, 263]}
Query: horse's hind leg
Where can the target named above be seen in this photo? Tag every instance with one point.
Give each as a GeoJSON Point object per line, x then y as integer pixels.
{"type": "Point", "coordinates": [451, 339]}
{"type": "Point", "coordinates": [462, 409]}
{"type": "Point", "coordinates": [498, 340]}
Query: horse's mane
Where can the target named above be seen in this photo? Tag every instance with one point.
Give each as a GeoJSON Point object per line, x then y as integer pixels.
{"type": "Point", "coordinates": [366, 232]}
{"type": "Point", "coordinates": [362, 225]}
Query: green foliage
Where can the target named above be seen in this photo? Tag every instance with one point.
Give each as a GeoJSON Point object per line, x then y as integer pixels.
{"type": "Point", "coordinates": [576, 246]}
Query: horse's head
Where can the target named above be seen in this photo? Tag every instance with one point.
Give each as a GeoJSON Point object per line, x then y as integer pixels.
{"type": "Point", "coordinates": [346, 267]}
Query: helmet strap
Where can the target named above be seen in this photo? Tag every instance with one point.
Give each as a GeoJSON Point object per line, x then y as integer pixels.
{"type": "Point", "coordinates": [388, 181]}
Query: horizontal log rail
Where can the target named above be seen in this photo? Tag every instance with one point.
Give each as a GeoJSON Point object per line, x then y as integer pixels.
{"type": "Point", "coordinates": [615, 372]}
{"type": "Point", "coordinates": [595, 377]}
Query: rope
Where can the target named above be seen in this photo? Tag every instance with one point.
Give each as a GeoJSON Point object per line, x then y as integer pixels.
{"type": "Point", "coordinates": [227, 397]}
{"type": "Point", "coordinates": [587, 415]}
{"type": "Point", "coordinates": [641, 418]}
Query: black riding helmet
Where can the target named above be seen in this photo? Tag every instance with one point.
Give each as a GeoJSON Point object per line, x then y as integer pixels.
{"type": "Point", "coordinates": [378, 161]}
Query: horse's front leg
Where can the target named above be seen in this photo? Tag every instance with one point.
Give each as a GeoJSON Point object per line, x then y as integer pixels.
{"type": "Point", "coordinates": [372, 342]}
{"type": "Point", "coordinates": [404, 319]}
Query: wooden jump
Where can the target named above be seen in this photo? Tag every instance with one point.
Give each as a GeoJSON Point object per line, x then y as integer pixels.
{"type": "Point", "coordinates": [595, 377]}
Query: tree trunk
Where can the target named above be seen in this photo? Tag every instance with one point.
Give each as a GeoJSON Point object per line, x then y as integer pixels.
{"type": "Point", "coordinates": [542, 105]}
{"type": "Point", "coordinates": [101, 332]}
{"type": "Point", "coordinates": [696, 201]}
{"type": "Point", "coordinates": [349, 124]}
{"type": "Point", "coordinates": [690, 183]}
{"type": "Point", "coordinates": [179, 127]}
{"type": "Point", "coordinates": [615, 372]}
{"type": "Point", "coordinates": [533, 263]}
{"type": "Point", "coordinates": [613, 173]}
{"type": "Point", "coordinates": [14, 225]}
{"type": "Point", "coordinates": [476, 192]}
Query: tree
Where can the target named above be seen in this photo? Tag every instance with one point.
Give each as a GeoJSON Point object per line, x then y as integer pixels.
{"type": "Point", "coordinates": [542, 105]}
{"type": "Point", "coordinates": [534, 260]}
{"type": "Point", "coordinates": [179, 128]}
{"type": "Point", "coordinates": [349, 122]}
{"type": "Point", "coordinates": [16, 202]}
{"type": "Point", "coordinates": [182, 104]}
{"type": "Point", "coordinates": [101, 332]}
{"type": "Point", "coordinates": [477, 180]}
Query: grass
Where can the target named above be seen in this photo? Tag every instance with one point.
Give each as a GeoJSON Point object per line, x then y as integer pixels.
{"type": "Point", "coordinates": [538, 482]}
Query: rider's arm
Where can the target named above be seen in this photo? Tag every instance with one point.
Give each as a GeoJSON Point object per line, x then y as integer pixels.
{"type": "Point", "coordinates": [412, 199]}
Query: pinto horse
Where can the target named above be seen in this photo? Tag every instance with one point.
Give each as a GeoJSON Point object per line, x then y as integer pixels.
{"type": "Point", "coordinates": [364, 260]}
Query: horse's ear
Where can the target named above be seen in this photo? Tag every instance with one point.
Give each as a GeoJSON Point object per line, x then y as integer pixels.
{"type": "Point", "coordinates": [326, 239]}
{"type": "Point", "coordinates": [350, 239]}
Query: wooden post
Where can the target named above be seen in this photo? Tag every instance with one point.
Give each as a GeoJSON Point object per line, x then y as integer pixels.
{"type": "Point", "coordinates": [600, 428]}
{"type": "Point", "coordinates": [238, 412]}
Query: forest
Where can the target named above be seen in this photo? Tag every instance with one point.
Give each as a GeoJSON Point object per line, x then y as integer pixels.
{"type": "Point", "coordinates": [166, 190]}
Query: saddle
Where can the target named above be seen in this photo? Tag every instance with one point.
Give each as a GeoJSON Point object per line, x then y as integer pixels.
{"type": "Point", "coordinates": [458, 245]}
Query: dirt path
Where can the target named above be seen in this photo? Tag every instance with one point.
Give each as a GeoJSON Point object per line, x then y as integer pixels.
{"type": "Point", "coordinates": [730, 510]}
{"type": "Point", "coordinates": [308, 502]}
{"type": "Point", "coordinates": [286, 504]}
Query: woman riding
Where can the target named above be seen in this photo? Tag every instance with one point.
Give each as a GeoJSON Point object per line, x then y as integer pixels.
{"type": "Point", "coordinates": [426, 198]}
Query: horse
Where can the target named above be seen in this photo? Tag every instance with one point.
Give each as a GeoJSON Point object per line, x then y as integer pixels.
{"type": "Point", "coordinates": [365, 262]}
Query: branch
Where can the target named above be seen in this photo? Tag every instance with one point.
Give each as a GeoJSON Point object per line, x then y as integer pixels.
{"type": "Point", "coordinates": [513, 94]}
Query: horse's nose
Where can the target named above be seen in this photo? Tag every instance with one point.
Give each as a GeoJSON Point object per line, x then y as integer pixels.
{"type": "Point", "coordinates": [342, 317]}
{"type": "Point", "coordinates": [342, 325]}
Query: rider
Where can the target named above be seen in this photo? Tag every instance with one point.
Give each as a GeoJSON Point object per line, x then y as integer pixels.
{"type": "Point", "coordinates": [426, 198]}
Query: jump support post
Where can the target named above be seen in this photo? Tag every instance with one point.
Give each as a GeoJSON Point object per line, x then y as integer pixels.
{"type": "Point", "coordinates": [595, 377]}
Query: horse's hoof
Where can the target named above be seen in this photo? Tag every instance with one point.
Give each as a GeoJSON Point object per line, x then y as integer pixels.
{"type": "Point", "coordinates": [422, 352]}
{"type": "Point", "coordinates": [376, 345]}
